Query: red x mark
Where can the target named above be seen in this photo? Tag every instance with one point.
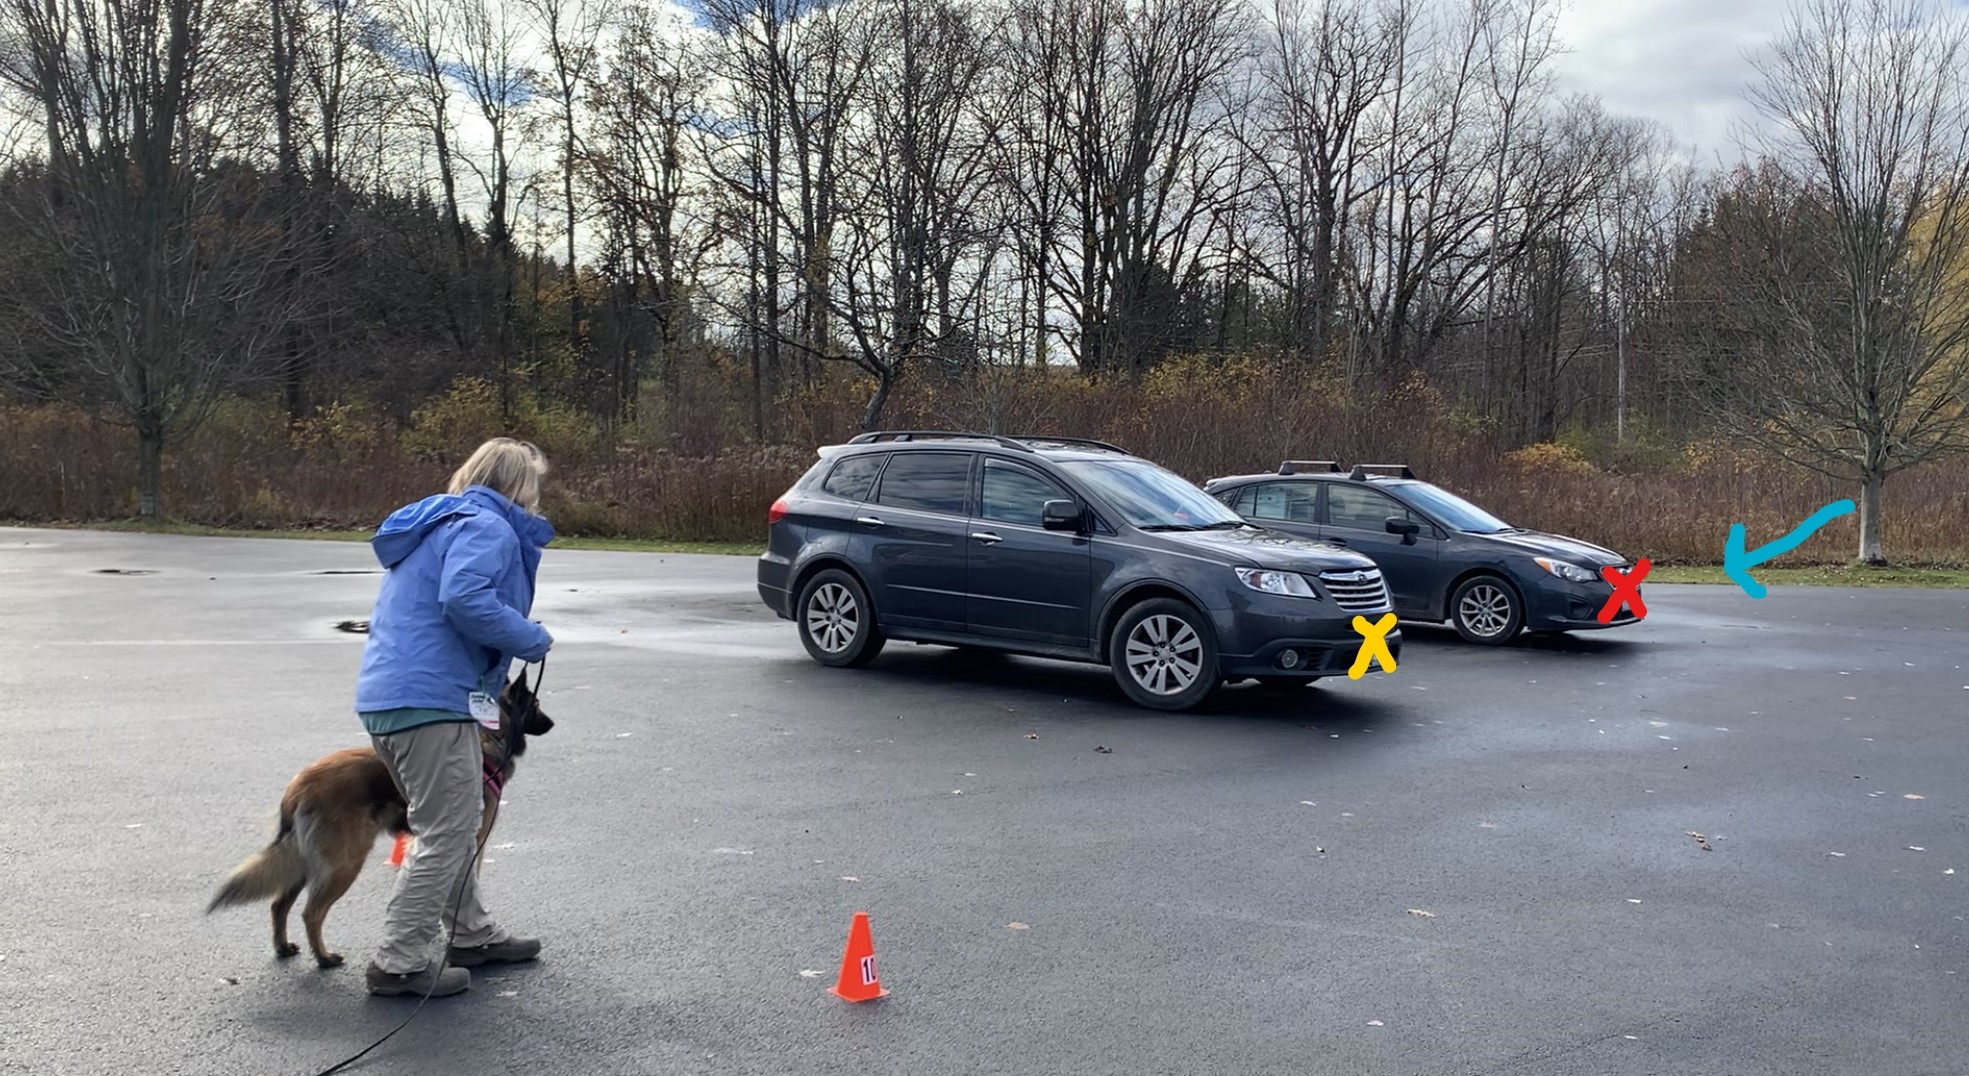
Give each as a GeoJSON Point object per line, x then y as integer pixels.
{"type": "Point", "coordinates": [1626, 590]}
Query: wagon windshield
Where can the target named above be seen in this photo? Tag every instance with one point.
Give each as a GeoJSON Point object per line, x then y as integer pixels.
{"type": "Point", "coordinates": [1453, 511]}
{"type": "Point", "coordinates": [1152, 498]}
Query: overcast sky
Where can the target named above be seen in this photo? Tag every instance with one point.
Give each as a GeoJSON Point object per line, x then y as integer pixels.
{"type": "Point", "coordinates": [1681, 62]}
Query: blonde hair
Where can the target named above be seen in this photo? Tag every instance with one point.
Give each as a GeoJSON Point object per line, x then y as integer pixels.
{"type": "Point", "coordinates": [511, 467]}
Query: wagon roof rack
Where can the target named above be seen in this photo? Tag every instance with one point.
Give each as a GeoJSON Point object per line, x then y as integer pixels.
{"type": "Point", "coordinates": [1022, 443]}
{"type": "Point", "coordinates": [1081, 442]}
{"type": "Point", "coordinates": [1359, 473]}
{"type": "Point", "coordinates": [1301, 466]}
{"type": "Point", "coordinates": [875, 436]}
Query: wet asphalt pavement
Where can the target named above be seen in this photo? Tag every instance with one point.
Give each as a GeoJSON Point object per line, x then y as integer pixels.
{"type": "Point", "coordinates": [1484, 863]}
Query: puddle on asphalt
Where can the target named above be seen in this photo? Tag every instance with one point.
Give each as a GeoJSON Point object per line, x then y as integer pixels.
{"type": "Point", "coordinates": [125, 571]}
{"type": "Point", "coordinates": [353, 627]}
{"type": "Point", "coordinates": [347, 571]}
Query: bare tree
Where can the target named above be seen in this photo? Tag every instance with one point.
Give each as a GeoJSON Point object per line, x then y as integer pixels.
{"type": "Point", "coordinates": [500, 85]}
{"type": "Point", "coordinates": [639, 164]}
{"type": "Point", "coordinates": [572, 30]}
{"type": "Point", "coordinates": [1143, 163]}
{"type": "Point", "coordinates": [1311, 138]}
{"type": "Point", "coordinates": [913, 199]}
{"type": "Point", "coordinates": [1840, 327]}
{"type": "Point", "coordinates": [162, 266]}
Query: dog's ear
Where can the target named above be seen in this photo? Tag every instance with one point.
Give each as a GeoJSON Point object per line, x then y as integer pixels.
{"type": "Point", "coordinates": [526, 706]}
{"type": "Point", "coordinates": [537, 721]}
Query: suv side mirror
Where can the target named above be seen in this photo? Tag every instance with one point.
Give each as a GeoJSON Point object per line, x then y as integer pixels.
{"type": "Point", "coordinates": [1407, 528]}
{"type": "Point", "coordinates": [1061, 516]}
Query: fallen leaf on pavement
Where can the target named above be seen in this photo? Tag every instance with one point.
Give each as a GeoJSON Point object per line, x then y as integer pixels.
{"type": "Point", "coordinates": [1375, 1023]}
{"type": "Point", "coordinates": [1701, 841]}
{"type": "Point", "coordinates": [1105, 750]}
{"type": "Point", "coordinates": [809, 973]}
{"type": "Point", "coordinates": [849, 878]}
{"type": "Point", "coordinates": [1032, 736]}
{"type": "Point", "coordinates": [1912, 796]}
{"type": "Point", "coordinates": [1017, 926]}
{"type": "Point", "coordinates": [1420, 914]}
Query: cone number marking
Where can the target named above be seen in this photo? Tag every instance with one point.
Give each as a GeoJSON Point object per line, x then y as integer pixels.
{"type": "Point", "coordinates": [868, 970]}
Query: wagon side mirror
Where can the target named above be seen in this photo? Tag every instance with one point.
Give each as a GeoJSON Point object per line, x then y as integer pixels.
{"type": "Point", "coordinates": [1061, 516]}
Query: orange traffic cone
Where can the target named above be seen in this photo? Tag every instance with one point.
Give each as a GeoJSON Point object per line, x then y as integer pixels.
{"type": "Point", "coordinates": [859, 981]}
{"type": "Point", "coordinates": [396, 854]}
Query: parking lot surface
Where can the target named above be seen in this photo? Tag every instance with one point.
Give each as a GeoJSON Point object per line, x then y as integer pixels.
{"type": "Point", "coordinates": [1488, 862]}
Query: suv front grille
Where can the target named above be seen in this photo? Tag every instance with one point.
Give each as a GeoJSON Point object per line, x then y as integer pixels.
{"type": "Point", "coordinates": [1359, 591]}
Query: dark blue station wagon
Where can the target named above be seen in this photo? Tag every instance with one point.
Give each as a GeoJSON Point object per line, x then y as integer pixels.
{"type": "Point", "coordinates": [1443, 557]}
{"type": "Point", "coordinates": [1058, 548]}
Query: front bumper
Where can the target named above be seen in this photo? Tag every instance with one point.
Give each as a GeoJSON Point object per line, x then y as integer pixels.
{"type": "Point", "coordinates": [1253, 637]}
{"type": "Point", "coordinates": [1553, 604]}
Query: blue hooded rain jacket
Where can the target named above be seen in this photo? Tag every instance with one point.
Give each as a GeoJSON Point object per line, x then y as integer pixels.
{"type": "Point", "coordinates": [451, 615]}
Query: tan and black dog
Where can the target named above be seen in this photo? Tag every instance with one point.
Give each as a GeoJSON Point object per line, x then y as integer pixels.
{"type": "Point", "coordinates": [334, 810]}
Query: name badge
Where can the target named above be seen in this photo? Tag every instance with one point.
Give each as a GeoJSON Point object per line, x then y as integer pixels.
{"type": "Point", "coordinates": [485, 709]}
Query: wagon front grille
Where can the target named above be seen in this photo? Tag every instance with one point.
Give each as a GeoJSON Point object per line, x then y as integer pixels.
{"type": "Point", "coordinates": [1361, 591]}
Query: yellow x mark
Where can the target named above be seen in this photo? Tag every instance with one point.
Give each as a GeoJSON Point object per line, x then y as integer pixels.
{"type": "Point", "coordinates": [1374, 645]}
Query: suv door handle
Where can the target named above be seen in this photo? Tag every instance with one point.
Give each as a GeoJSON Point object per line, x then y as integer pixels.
{"type": "Point", "coordinates": [986, 537]}
{"type": "Point", "coordinates": [1335, 541]}
{"type": "Point", "coordinates": [869, 521]}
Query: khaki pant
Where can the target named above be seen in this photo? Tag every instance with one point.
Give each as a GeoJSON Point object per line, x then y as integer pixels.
{"type": "Point", "coordinates": [438, 769]}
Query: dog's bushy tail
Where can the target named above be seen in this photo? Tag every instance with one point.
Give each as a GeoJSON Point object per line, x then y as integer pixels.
{"type": "Point", "coordinates": [265, 874]}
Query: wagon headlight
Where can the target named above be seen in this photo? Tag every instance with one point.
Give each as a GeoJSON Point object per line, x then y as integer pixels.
{"type": "Point", "coordinates": [1291, 584]}
{"type": "Point", "coordinates": [1571, 573]}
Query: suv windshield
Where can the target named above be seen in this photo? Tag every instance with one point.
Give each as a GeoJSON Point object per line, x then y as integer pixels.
{"type": "Point", "coordinates": [1151, 498]}
{"type": "Point", "coordinates": [1453, 511]}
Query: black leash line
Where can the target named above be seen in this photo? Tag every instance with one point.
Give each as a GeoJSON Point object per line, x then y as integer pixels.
{"type": "Point", "coordinates": [471, 868]}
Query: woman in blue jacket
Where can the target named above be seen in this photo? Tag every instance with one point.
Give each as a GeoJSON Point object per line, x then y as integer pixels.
{"type": "Point", "coordinates": [450, 619]}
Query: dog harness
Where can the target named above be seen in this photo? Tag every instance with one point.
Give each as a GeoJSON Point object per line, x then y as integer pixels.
{"type": "Point", "coordinates": [494, 780]}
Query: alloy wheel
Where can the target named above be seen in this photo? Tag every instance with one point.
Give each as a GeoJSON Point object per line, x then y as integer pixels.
{"type": "Point", "coordinates": [833, 618]}
{"type": "Point", "coordinates": [1485, 610]}
{"type": "Point", "coordinates": [1164, 655]}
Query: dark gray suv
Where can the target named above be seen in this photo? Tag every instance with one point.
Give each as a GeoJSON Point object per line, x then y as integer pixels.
{"type": "Point", "coordinates": [1060, 548]}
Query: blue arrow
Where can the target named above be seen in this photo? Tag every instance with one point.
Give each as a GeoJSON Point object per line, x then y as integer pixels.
{"type": "Point", "coordinates": [1737, 563]}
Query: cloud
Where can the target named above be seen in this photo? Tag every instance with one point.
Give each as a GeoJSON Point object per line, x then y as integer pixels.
{"type": "Point", "coordinates": [1681, 62]}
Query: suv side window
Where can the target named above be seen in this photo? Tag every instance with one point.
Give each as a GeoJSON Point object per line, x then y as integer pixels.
{"type": "Point", "coordinates": [927, 482]}
{"type": "Point", "coordinates": [1286, 502]}
{"type": "Point", "coordinates": [1015, 494]}
{"type": "Point", "coordinates": [853, 477]}
{"type": "Point", "coordinates": [1358, 508]}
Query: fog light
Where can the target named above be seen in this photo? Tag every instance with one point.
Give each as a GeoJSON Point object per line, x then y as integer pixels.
{"type": "Point", "coordinates": [1289, 659]}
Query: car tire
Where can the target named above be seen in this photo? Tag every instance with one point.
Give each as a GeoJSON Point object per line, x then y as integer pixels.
{"type": "Point", "coordinates": [1164, 655]}
{"type": "Point", "coordinates": [1285, 683]}
{"type": "Point", "coordinates": [1487, 610]}
{"type": "Point", "coordinates": [837, 621]}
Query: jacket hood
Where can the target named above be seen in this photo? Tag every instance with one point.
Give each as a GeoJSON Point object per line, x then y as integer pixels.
{"type": "Point", "coordinates": [407, 527]}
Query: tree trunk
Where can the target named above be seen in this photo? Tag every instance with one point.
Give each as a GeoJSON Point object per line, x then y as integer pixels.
{"type": "Point", "coordinates": [871, 418]}
{"type": "Point", "coordinates": [1870, 553]}
{"type": "Point", "coordinates": [150, 473]}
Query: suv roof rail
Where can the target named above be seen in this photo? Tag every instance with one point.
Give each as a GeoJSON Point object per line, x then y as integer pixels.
{"type": "Point", "coordinates": [1359, 473]}
{"type": "Point", "coordinates": [1293, 466]}
{"type": "Point", "coordinates": [940, 435]}
{"type": "Point", "coordinates": [1084, 441]}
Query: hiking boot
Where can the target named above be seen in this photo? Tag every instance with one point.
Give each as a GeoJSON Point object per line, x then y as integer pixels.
{"type": "Point", "coordinates": [510, 951]}
{"type": "Point", "coordinates": [417, 983]}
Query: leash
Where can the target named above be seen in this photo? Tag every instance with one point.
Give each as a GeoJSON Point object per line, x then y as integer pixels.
{"type": "Point", "coordinates": [457, 900]}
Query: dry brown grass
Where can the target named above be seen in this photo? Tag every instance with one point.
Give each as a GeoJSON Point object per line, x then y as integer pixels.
{"type": "Point", "coordinates": [692, 473]}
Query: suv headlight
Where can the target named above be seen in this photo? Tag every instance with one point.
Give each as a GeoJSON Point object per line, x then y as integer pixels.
{"type": "Point", "coordinates": [1571, 573]}
{"type": "Point", "coordinates": [1274, 582]}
